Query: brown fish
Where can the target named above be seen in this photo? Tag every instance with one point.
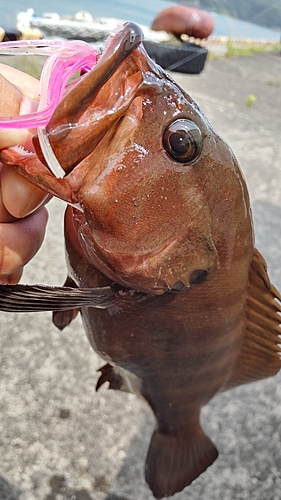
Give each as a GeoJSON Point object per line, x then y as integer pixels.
{"type": "Point", "coordinates": [172, 293]}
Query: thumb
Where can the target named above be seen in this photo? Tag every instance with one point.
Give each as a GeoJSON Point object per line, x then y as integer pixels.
{"type": "Point", "coordinates": [19, 196]}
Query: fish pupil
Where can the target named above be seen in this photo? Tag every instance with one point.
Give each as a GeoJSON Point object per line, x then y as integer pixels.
{"type": "Point", "coordinates": [180, 143]}
{"type": "Point", "coordinates": [182, 140]}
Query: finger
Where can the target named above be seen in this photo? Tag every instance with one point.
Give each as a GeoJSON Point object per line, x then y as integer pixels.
{"type": "Point", "coordinates": [5, 216]}
{"type": "Point", "coordinates": [11, 279]}
{"type": "Point", "coordinates": [27, 84]}
{"type": "Point", "coordinates": [20, 241]}
{"type": "Point", "coordinates": [19, 197]}
{"type": "Point", "coordinates": [10, 103]}
{"type": "Point", "coordinates": [14, 102]}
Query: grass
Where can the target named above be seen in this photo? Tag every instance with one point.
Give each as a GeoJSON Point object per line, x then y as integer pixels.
{"type": "Point", "coordinates": [248, 49]}
{"type": "Point", "coordinates": [30, 64]}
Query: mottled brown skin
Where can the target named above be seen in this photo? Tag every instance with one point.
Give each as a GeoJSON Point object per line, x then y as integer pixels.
{"type": "Point", "coordinates": [178, 233]}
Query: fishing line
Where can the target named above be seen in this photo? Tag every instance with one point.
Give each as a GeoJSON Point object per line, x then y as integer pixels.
{"type": "Point", "coordinates": [184, 60]}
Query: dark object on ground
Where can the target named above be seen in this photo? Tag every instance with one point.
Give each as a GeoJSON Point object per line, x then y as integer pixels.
{"type": "Point", "coordinates": [12, 35]}
{"type": "Point", "coordinates": [185, 58]}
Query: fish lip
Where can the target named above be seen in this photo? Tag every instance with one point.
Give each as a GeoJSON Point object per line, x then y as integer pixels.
{"type": "Point", "coordinates": [118, 47]}
{"type": "Point", "coordinates": [65, 118]}
{"type": "Point", "coordinates": [133, 36]}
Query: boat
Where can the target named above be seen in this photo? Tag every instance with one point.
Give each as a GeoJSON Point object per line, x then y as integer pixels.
{"type": "Point", "coordinates": [164, 48]}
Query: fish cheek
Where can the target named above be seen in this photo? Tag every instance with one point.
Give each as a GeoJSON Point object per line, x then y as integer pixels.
{"type": "Point", "coordinates": [125, 216]}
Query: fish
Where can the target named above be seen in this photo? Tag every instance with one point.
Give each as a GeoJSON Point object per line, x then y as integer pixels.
{"type": "Point", "coordinates": [162, 264]}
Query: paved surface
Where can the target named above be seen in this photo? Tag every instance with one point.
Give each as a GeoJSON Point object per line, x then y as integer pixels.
{"type": "Point", "coordinates": [59, 440]}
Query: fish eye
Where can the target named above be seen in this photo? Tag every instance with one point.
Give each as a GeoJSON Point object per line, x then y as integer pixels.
{"type": "Point", "coordinates": [182, 140]}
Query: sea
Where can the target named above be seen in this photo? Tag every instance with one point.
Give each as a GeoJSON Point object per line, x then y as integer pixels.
{"type": "Point", "coordinates": [139, 11]}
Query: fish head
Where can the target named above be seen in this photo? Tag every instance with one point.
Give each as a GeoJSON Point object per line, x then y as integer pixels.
{"type": "Point", "coordinates": [152, 178]}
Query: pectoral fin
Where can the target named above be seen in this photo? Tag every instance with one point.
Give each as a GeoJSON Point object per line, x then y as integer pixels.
{"type": "Point", "coordinates": [35, 298]}
{"type": "Point", "coordinates": [260, 353]}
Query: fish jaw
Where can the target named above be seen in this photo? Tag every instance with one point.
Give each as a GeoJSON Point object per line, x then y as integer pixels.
{"type": "Point", "coordinates": [78, 124]}
{"type": "Point", "coordinates": [99, 99]}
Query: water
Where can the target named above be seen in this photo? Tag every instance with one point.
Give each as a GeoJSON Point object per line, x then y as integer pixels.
{"type": "Point", "coordinates": [230, 27]}
{"type": "Point", "coordinates": [142, 12]}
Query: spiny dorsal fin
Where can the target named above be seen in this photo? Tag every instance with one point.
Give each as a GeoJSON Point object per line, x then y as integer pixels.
{"type": "Point", "coordinates": [261, 352]}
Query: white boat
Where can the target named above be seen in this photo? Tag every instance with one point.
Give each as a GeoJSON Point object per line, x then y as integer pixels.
{"type": "Point", "coordinates": [167, 50]}
{"type": "Point", "coordinates": [81, 25]}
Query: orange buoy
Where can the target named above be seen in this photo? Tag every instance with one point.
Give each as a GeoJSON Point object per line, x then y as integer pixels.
{"type": "Point", "coordinates": [181, 19]}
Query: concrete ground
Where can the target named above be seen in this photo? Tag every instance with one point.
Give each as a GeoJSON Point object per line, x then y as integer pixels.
{"type": "Point", "coordinates": [59, 440]}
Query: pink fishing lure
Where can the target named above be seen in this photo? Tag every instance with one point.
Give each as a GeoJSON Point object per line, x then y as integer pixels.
{"type": "Point", "coordinates": [65, 59]}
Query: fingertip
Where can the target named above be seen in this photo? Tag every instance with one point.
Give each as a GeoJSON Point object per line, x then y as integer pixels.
{"type": "Point", "coordinates": [19, 81]}
{"type": "Point", "coordinates": [20, 197]}
{"type": "Point", "coordinates": [20, 241]}
{"type": "Point", "coordinates": [11, 279]}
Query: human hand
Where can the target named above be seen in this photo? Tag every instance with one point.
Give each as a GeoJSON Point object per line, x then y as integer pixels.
{"type": "Point", "coordinates": [23, 217]}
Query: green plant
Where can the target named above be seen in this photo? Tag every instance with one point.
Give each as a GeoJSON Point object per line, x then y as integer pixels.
{"type": "Point", "coordinates": [251, 99]}
{"type": "Point", "coordinates": [244, 49]}
{"type": "Point", "coordinates": [27, 63]}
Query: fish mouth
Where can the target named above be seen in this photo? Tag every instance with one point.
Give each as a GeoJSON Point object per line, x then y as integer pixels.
{"type": "Point", "coordinates": [96, 103]}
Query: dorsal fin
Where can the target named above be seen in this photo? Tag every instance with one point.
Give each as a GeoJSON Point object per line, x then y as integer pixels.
{"type": "Point", "coordinates": [261, 352]}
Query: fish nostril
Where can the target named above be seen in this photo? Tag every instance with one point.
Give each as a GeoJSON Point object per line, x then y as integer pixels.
{"type": "Point", "coordinates": [198, 276]}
